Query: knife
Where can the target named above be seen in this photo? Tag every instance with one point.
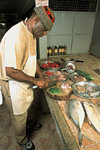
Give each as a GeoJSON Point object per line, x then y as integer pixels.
{"type": "Point", "coordinates": [77, 60]}
{"type": "Point", "coordinates": [50, 84]}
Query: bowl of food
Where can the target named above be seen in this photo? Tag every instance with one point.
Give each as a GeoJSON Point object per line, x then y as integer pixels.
{"type": "Point", "coordinates": [50, 65]}
{"type": "Point", "coordinates": [55, 75]}
{"type": "Point", "coordinates": [87, 90]}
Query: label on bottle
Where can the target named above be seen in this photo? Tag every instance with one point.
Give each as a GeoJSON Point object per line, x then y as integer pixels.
{"type": "Point", "coordinates": [50, 51]}
{"type": "Point", "coordinates": [60, 50]}
{"type": "Point", "coordinates": [56, 50]}
{"type": "Point", "coordinates": [63, 50]}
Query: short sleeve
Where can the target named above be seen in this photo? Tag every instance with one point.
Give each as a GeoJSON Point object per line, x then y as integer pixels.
{"type": "Point", "coordinates": [15, 50]}
{"type": "Point", "coordinates": [10, 58]}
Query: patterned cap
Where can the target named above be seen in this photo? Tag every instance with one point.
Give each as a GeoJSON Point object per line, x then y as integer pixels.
{"type": "Point", "coordinates": [46, 16]}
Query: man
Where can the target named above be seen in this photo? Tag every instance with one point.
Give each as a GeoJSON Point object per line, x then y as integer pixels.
{"type": "Point", "coordinates": [18, 67]}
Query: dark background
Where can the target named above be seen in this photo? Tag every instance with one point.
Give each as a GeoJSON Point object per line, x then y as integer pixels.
{"type": "Point", "coordinates": [13, 11]}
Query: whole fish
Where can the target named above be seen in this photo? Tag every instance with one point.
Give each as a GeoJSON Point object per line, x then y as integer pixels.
{"type": "Point", "coordinates": [93, 114]}
{"type": "Point", "coordinates": [76, 112]}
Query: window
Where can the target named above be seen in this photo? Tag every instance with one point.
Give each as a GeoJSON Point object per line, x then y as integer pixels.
{"type": "Point", "coordinates": [73, 5]}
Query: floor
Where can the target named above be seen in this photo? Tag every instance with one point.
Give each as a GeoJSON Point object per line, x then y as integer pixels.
{"type": "Point", "coordinates": [45, 139]}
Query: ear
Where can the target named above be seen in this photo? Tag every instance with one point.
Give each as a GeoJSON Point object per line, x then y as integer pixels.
{"type": "Point", "coordinates": [37, 19]}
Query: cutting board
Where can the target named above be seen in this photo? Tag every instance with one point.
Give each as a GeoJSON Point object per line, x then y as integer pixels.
{"type": "Point", "coordinates": [59, 94]}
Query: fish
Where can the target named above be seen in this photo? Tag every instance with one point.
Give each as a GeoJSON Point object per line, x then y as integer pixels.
{"type": "Point", "coordinates": [76, 112]}
{"type": "Point", "coordinates": [93, 114]}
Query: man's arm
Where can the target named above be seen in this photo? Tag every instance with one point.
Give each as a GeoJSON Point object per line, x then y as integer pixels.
{"type": "Point", "coordinates": [22, 77]}
{"type": "Point", "coordinates": [38, 71]}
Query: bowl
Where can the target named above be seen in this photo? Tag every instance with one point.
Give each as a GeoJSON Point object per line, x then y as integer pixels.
{"type": "Point", "coordinates": [87, 90]}
{"type": "Point", "coordinates": [50, 65]}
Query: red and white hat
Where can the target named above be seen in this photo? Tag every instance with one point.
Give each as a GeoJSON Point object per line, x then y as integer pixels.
{"type": "Point", "coordinates": [46, 16]}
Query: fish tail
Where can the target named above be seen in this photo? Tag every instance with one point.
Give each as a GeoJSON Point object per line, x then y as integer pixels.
{"type": "Point", "coordinates": [80, 137]}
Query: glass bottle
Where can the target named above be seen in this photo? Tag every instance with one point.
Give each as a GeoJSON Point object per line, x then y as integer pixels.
{"type": "Point", "coordinates": [59, 50]}
{"type": "Point", "coordinates": [62, 50]}
{"type": "Point", "coordinates": [55, 51]}
{"type": "Point", "coordinates": [50, 51]}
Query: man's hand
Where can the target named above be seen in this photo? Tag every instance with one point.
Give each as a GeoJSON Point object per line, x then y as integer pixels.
{"type": "Point", "coordinates": [42, 82]}
{"type": "Point", "coordinates": [22, 77]}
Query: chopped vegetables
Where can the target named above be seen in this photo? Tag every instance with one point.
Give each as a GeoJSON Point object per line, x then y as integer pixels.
{"type": "Point", "coordinates": [49, 64]}
{"type": "Point", "coordinates": [54, 91]}
{"type": "Point", "coordinates": [49, 73]}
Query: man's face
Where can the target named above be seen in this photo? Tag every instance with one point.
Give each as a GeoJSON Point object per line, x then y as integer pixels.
{"type": "Point", "coordinates": [39, 30]}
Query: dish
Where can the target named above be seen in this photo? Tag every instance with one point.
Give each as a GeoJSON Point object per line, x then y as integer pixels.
{"type": "Point", "coordinates": [50, 65]}
{"type": "Point", "coordinates": [56, 75]}
{"type": "Point", "coordinates": [70, 67]}
{"type": "Point", "coordinates": [86, 90]}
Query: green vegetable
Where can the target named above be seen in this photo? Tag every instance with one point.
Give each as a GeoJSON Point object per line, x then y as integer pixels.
{"type": "Point", "coordinates": [54, 90]}
{"type": "Point", "coordinates": [88, 76]}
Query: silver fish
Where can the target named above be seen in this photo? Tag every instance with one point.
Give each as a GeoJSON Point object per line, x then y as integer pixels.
{"type": "Point", "coordinates": [93, 114]}
{"type": "Point", "coordinates": [76, 112]}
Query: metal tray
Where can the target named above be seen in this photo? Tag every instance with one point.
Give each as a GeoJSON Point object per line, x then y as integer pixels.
{"type": "Point", "coordinates": [87, 90]}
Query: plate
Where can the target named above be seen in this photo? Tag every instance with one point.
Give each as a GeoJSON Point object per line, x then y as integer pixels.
{"type": "Point", "coordinates": [87, 90]}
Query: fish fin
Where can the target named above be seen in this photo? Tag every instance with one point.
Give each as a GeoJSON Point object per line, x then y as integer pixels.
{"type": "Point", "coordinates": [80, 137]}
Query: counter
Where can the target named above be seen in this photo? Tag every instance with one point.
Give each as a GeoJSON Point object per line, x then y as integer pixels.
{"type": "Point", "coordinates": [66, 133]}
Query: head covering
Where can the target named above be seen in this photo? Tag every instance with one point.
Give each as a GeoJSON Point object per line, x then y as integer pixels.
{"type": "Point", "coordinates": [46, 16]}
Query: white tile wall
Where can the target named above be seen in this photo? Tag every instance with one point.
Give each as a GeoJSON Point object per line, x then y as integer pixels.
{"type": "Point", "coordinates": [81, 43]}
{"type": "Point", "coordinates": [83, 23]}
{"type": "Point", "coordinates": [63, 23]}
{"type": "Point", "coordinates": [73, 29]}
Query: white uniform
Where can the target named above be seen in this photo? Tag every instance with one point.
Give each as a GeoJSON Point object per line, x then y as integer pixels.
{"type": "Point", "coordinates": [18, 50]}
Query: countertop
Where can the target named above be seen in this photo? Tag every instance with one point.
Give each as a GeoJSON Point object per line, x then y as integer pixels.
{"type": "Point", "coordinates": [66, 130]}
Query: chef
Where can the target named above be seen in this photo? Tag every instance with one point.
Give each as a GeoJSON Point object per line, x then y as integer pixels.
{"type": "Point", "coordinates": [18, 67]}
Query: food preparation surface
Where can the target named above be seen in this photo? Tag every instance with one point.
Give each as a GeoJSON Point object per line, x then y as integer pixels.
{"type": "Point", "coordinates": [68, 130]}
{"type": "Point", "coordinates": [91, 139]}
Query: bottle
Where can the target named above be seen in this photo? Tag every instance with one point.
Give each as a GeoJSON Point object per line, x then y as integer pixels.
{"type": "Point", "coordinates": [55, 51]}
{"type": "Point", "coordinates": [50, 51]}
{"type": "Point", "coordinates": [62, 52]}
{"type": "Point", "coordinates": [59, 50]}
